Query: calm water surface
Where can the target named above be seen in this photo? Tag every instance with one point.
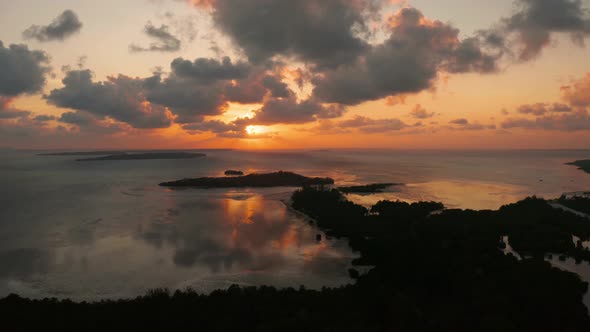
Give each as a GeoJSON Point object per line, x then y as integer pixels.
{"type": "Point", "coordinates": [106, 230]}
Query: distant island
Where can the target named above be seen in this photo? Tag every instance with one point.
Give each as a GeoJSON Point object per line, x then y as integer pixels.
{"type": "Point", "coordinates": [277, 179]}
{"type": "Point", "coordinates": [233, 173]}
{"type": "Point", "coordinates": [146, 156]}
{"type": "Point", "coordinates": [82, 153]}
{"type": "Point", "coordinates": [582, 164]}
{"type": "Point", "coordinates": [367, 189]}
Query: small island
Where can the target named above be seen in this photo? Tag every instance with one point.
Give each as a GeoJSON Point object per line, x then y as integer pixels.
{"type": "Point", "coordinates": [367, 189]}
{"type": "Point", "coordinates": [277, 179]}
{"type": "Point", "coordinates": [582, 164]}
{"type": "Point", "coordinates": [146, 156]}
{"type": "Point", "coordinates": [233, 173]}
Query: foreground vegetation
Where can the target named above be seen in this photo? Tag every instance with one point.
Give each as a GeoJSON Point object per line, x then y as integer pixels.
{"type": "Point", "coordinates": [432, 271]}
{"type": "Point", "coordinates": [581, 204]}
{"type": "Point", "coordinates": [367, 189]}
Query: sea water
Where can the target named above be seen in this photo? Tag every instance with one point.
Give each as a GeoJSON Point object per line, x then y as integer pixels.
{"type": "Point", "coordinates": [105, 229]}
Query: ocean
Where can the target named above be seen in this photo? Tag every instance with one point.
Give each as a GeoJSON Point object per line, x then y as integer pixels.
{"type": "Point", "coordinates": [105, 229]}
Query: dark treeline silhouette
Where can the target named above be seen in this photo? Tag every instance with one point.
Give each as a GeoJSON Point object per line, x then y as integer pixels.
{"type": "Point", "coordinates": [369, 188]}
{"type": "Point", "coordinates": [276, 179]}
{"type": "Point", "coordinates": [430, 271]}
{"type": "Point", "coordinates": [577, 203]}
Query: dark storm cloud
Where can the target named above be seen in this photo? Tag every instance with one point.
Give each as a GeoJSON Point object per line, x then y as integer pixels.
{"type": "Point", "coordinates": [191, 91]}
{"type": "Point", "coordinates": [79, 118]}
{"type": "Point", "coordinates": [13, 113]}
{"type": "Point", "coordinates": [21, 263]}
{"type": "Point", "coordinates": [84, 121]}
{"type": "Point", "coordinates": [208, 70]}
{"type": "Point", "coordinates": [204, 87]}
{"type": "Point", "coordinates": [291, 111]}
{"type": "Point", "coordinates": [62, 27]}
{"type": "Point", "coordinates": [165, 41]}
{"type": "Point", "coordinates": [188, 100]}
{"type": "Point", "coordinates": [21, 70]}
{"type": "Point", "coordinates": [235, 129]}
{"type": "Point", "coordinates": [120, 98]}
{"type": "Point", "coordinates": [277, 88]}
{"type": "Point", "coordinates": [407, 62]}
{"type": "Point", "coordinates": [534, 22]}
{"type": "Point", "coordinates": [321, 32]}
{"type": "Point", "coordinates": [44, 118]}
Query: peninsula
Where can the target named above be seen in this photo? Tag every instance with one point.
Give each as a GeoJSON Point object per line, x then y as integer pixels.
{"type": "Point", "coordinates": [277, 179]}
{"type": "Point", "coordinates": [146, 156]}
{"type": "Point", "coordinates": [582, 164]}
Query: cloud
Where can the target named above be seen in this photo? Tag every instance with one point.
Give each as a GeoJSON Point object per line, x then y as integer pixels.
{"type": "Point", "coordinates": [409, 61]}
{"type": "Point", "coordinates": [277, 88]}
{"type": "Point", "coordinates": [464, 124]}
{"type": "Point", "coordinates": [89, 123]}
{"type": "Point", "coordinates": [291, 111]}
{"type": "Point", "coordinates": [461, 122]}
{"type": "Point", "coordinates": [204, 87]}
{"type": "Point", "coordinates": [320, 32]}
{"type": "Point", "coordinates": [542, 108]}
{"type": "Point", "coordinates": [79, 118]}
{"type": "Point", "coordinates": [572, 116]}
{"type": "Point", "coordinates": [166, 42]}
{"type": "Point", "coordinates": [8, 112]}
{"type": "Point", "coordinates": [188, 99]}
{"type": "Point", "coordinates": [13, 113]}
{"type": "Point", "coordinates": [120, 98]}
{"type": "Point", "coordinates": [22, 70]}
{"type": "Point", "coordinates": [209, 70]}
{"type": "Point", "coordinates": [5, 102]}
{"type": "Point", "coordinates": [573, 121]}
{"type": "Point", "coordinates": [421, 113]}
{"type": "Point", "coordinates": [534, 22]}
{"type": "Point", "coordinates": [192, 91]}
{"type": "Point", "coordinates": [44, 118]}
{"type": "Point", "coordinates": [578, 93]}
{"type": "Point", "coordinates": [62, 27]}
{"type": "Point", "coordinates": [235, 129]}
{"type": "Point", "coordinates": [373, 126]}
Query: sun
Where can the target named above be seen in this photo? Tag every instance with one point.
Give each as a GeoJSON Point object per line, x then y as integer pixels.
{"type": "Point", "coordinates": [251, 130]}
{"type": "Point", "coordinates": [255, 130]}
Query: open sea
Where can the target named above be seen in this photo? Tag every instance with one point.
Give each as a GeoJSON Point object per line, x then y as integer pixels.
{"type": "Point", "coordinates": [105, 229]}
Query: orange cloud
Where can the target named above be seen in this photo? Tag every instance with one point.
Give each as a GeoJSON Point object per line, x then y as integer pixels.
{"type": "Point", "coordinates": [578, 93]}
{"type": "Point", "coordinates": [5, 102]}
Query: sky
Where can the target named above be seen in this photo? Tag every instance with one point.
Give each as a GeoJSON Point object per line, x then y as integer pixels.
{"type": "Point", "coordinates": [282, 74]}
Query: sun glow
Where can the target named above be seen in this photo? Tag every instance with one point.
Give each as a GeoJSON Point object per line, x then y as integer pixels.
{"type": "Point", "coordinates": [256, 130]}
